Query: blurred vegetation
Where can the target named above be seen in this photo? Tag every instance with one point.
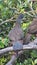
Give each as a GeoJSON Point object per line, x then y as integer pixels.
{"type": "Point", "coordinates": [11, 8]}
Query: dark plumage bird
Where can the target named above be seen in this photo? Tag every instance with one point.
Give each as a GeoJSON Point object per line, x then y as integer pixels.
{"type": "Point", "coordinates": [16, 34]}
{"type": "Point", "coordinates": [33, 27]}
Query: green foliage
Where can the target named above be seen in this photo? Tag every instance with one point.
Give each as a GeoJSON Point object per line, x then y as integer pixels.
{"type": "Point", "coordinates": [4, 59]}
{"type": "Point", "coordinates": [3, 42]}
{"type": "Point", "coordinates": [30, 58]}
{"type": "Point", "coordinates": [11, 8]}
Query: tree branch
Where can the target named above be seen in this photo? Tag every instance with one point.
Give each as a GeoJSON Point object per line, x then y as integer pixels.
{"type": "Point", "coordinates": [12, 60]}
{"type": "Point", "coordinates": [31, 45]}
{"type": "Point", "coordinates": [14, 57]}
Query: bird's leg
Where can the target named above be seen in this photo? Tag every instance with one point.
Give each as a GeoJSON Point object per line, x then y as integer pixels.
{"type": "Point", "coordinates": [17, 53]}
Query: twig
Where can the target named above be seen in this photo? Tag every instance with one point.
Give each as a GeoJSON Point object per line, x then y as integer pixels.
{"type": "Point", "coordinates": [32, 9]}
{"type": "Point", "coordinates": [11, 19]}
{"type": "Point", "coordinates": [1, 20]}
{"type": "Point", "coordinates": [28, 14]}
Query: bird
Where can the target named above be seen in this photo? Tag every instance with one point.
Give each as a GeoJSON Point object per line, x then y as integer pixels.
{"type": "Point", "coordinates": [16, 34]}
{"type": "Point", "coordinates": [33, 27]}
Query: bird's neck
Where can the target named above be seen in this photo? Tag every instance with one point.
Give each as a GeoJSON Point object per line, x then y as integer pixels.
{"type": "Point", "coordinates": [17, 24]}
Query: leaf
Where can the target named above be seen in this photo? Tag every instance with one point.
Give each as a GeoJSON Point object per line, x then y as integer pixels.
{"type": "Point", "coordinates": [35, 61]}
{"type": "Point", "coordinates": [1, 44]}
{"type": "Point", "coordinates": [6, 41]}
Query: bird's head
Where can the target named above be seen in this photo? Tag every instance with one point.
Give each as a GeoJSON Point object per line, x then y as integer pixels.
{"type": "Point", "coordinates": [19, 18]}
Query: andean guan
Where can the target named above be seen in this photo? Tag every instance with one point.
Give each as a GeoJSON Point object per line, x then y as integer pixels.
{"type": "Point", "coordinates": [32, 29]}
{"type": "Point", "coordinates": [16, 34]}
